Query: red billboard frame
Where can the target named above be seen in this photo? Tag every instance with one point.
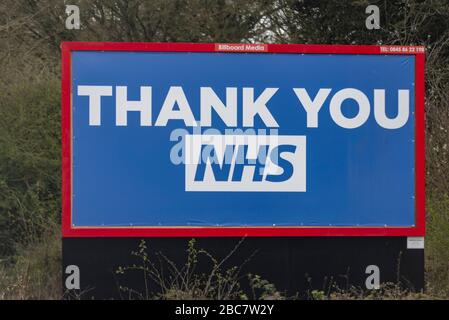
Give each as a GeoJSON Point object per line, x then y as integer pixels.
{"type": "Point", "coordinates": [68, 230]}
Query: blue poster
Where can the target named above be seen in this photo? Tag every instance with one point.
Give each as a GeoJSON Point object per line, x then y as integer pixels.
{"type": "Point", "coordinates": [242, 139]}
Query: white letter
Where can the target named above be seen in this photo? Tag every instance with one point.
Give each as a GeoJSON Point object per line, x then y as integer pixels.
{"type": "Point", "coordinates": [177, 152]}
{"type": "Point", "coordinates": [251, 107]}
{"type": "Point", "coordinates": [122, 106]}
{"type": "Point", "coordinates": [73, 279]}
{"type": "Point", "coordinates": [228, 112]}
{"type": "Point", "coordinates": [176, 95]}
{"type": "Point", "coordinates": [403, 109]}
{"type": "Point", "coordinates": [95, 93]}
{"type": "Point", "coordinates": [337, 115]}
{"type": "Point", "coordinates": [312, 107]}
{"type": "Point", "coordinates": [373, 280]}
{"type": "Point", "coordinates": [372, 21]}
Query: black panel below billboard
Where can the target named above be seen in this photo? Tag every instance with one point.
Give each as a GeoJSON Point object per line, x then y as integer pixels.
{"type": "Point", "coordinates": [293, 265]}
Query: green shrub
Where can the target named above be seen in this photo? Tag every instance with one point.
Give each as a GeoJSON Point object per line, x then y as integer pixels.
{"type": "Point", "coordinates": [29, 162]}
{"type": "Point", "coordinates": [36, 270]}
{"type": "Point", "coordinates": [437, 244]}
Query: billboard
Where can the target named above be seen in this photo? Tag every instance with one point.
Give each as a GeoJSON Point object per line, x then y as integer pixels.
{"type": "Point", "coordinates": [167, 140]}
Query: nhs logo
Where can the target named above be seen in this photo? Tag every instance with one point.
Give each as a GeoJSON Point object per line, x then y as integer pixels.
{"type": "Point", "coordinates": [245, 163]}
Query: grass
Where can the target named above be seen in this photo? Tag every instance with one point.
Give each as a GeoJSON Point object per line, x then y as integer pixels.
{"type": "Point", "coordinates": [437, 246]}
{"type": "Point", "coordinates": [35, 271]}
